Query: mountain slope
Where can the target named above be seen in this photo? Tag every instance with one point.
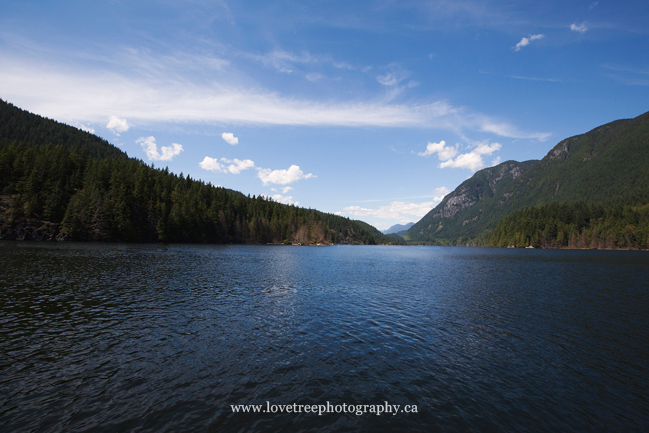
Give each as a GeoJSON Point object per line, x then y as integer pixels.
{"type": "Point", "coordinates": [21, 126]}
{"type": "Point", "coordinates": [607, 162]}
{"type": "Point", "coordinates": [471, 209]}
{"type": "Point", "coordinates": [57, 182]}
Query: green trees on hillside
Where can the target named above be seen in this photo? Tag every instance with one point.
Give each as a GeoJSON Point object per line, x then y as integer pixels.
{"type": "Point", "coordinates": [123, 199]}
{"type": "Point", "coordinates": [59, 181]}
{"type": "Point", "coordinates": [575, 225]}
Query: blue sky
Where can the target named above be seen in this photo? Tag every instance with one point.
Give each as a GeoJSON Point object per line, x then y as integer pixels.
{"type": "Point", "coordinates": [373, 110]}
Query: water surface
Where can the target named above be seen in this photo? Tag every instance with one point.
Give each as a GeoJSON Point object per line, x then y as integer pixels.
{"type": "Point", "coordinates": [114, 337]}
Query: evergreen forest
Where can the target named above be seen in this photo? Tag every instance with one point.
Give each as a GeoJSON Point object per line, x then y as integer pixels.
{"type": "Point", "coordinates": [57, 182]}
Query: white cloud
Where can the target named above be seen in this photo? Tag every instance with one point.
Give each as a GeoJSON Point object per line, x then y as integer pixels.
{"type": "Point", "coordinates": [230, 138]}
{"type": "Point", "coordinates": [526, 41]}
{"type": "Point", "coordinates": [443, 151]}
{"type": "Point", "coordinates": [472, 160]}
{"type": "Point", "coordinates": [442, 191]}
{"type": "Point", "coordinates": [394, 75]}
{"type": "Point", "coordinates": [286, 62]}
{"type": "Point", "coordinates": [117, 125]}
{"type": "Point", "coordinates": [495, 161]}
{"type": "Point", "coordinates": [211, 164]}
{"type": "Point", "coordinates": [397, 210]}
{"type": "Point", "coordinates": [581, 28]}
{"type": "Point", "coordinates": [283, 199]}
{"type": "Point", "coordinates": [151, 148]}
{"type": "Point", "coordinates": [162, 89]}
{"type": "Point", "coordinates": [236, 165]}
{"type": "Point", "coordinates": [89, 129]}
{"type": "Point", "coordinates": [282, 177]}
{"type": "Point", "coordinates": [286, 189]}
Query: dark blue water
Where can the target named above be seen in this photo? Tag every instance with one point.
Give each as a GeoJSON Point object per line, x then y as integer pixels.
{"type": "Point", "coordinates": [104, 337]}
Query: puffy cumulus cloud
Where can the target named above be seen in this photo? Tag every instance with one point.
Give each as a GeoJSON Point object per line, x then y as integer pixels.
{"type": "Point", "coordinates": [235, 166]}
{"type": "Point", "coordinates": [580, 28]}
{"type": "Point", "coordinates": [151, 149]}
{"type": "Point", "coordinates": [397, 210]}
{"type": "Point", "coordinates": [117, 125]}
{"type": "Point", "coordinates": [282, 199]}
{"type": "Point", "coordinates": [211, 164]}
{"type": "Point", "coordinates": [286, 189]}
{"type": "Point", "coordinates": [526, 41]}
{"type": "Point", "coordinates": [472, 160]}
{"type": "Point", "coordinates": [282, 177]}
{"type": "Point", "coordinates": [230, 138]}
{"type": "Point", "coordinates": [443, 151]}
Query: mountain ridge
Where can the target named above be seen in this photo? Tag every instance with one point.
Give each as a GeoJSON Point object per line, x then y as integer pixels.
{"type": "Point", "coordinates": [58, 182]}
{"type": "Point", "coordinates": [608, 161]}
{"type": "Point", "coordinates": [398, 228]}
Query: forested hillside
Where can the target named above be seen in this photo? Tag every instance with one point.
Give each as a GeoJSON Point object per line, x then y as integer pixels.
{"type": "Point", "coordinates": [575, 225]}
{"type": "Point", "coordinates": [611, 161]}
{"type": "Point", "coordinates": [57, 182]}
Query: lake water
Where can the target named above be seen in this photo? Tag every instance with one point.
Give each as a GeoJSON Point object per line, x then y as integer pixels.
{"type": "Point", "coordinates": [114, 337]}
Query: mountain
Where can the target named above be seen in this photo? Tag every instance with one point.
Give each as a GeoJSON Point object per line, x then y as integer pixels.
{"type": "Point", "coordinates": [58, 182]}
{"type": "Point", "coordinates": [608, 162]}
{"type": "Point", "coordinates": [398, 228]}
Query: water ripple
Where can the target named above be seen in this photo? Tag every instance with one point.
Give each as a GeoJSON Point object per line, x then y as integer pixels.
{"type": "Point", "coordinates": [166, 338]}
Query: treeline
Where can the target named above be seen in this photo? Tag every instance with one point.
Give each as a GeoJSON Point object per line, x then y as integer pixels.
{"type": "Point", "coordinates": [620, 224]}
{"type": "Point", "coordinates": [20, 126]}
{"type": "Point", "coordinates": [70, 195]}
{"type": "Point", "coordinates": [58, 182]}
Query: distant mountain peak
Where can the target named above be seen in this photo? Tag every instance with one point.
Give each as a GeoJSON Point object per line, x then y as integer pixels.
{"type": "Point", "coordinates": [397, 228]}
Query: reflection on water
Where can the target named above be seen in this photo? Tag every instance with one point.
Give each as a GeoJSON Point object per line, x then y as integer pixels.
{"type": "Point", "coordinates": [144, 337]}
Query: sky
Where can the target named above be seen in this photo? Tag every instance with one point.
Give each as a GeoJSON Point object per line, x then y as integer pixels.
{"type": "Point", "coordinates": [373, 110]}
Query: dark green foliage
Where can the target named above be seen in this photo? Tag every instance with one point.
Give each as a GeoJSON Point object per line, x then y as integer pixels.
{"type": "Point", "coordinates": [609, 161]}
{"type": "Point", "coordinates": [20, 126]}
{"type": "Point", "coordinates": [575, 225]}
{"type": "Point", "coordinates": [74, 185]}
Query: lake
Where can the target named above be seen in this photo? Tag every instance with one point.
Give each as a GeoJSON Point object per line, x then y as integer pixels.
{"type": "Point", "coordinates": [124, 337]}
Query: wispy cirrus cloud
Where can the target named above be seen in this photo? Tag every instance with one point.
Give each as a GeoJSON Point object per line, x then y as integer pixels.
{"type": "Point", "coordinates": [526, 41]}
{"type": "Point", "coordinates": [286, 62]}
{"type": "Point", "coordinates": [147, 89]}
